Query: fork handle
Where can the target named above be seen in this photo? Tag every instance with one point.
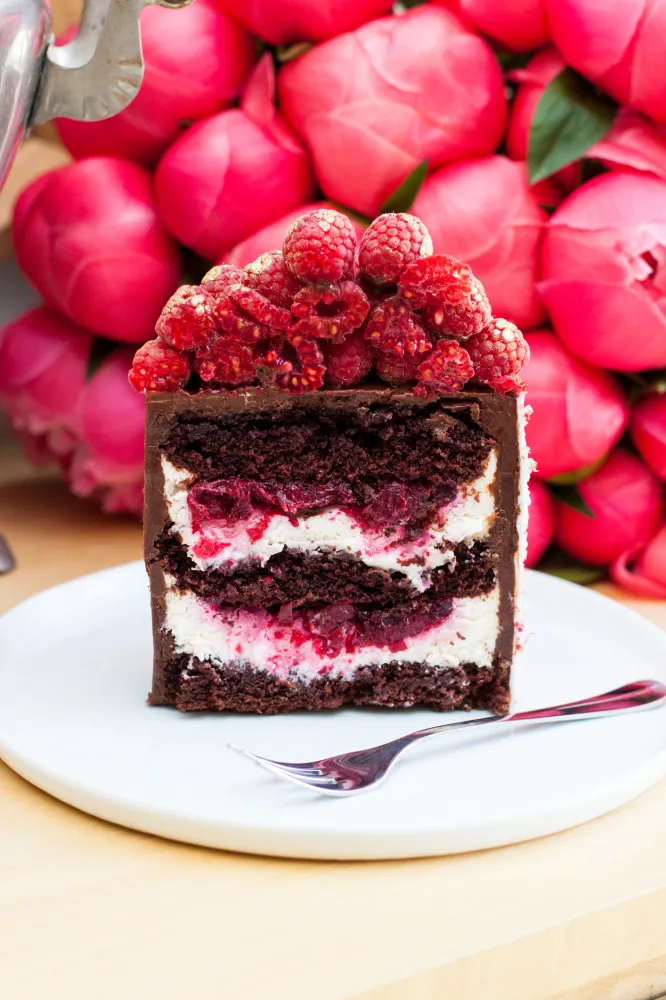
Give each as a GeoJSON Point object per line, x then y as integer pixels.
{"type": "Point", "coordinates": [639, 694]}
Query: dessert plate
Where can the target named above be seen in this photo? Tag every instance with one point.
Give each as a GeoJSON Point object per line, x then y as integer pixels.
{"type": "Point", "coordinates": [74, 674]}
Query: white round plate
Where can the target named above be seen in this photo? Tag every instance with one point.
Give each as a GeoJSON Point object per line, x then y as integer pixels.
{"type": "Point", "coordinates": [74, 674]}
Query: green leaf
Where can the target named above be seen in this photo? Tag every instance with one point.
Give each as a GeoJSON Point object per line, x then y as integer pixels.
{"type": "Point", "coordinates": [571, 478]}
{"type": "Point", "coordinates": [285, 53]}
{"type": "Point", "coordinates": [513, 60]}
{"type": "Point", "coordinates": [656, 379]}
{"type": "Point", "coordinates": [99, 352]}
{"type": "Point", "coordinates": [402, 5]}
{"type": "Point", "coordinates": [570, 495]}
{"type": "Point", "coordinates": [558, 563]}
{"type": "Point", "coordinates": [570, 117]}
{"type": "Point", "coordinates": [403, 197]}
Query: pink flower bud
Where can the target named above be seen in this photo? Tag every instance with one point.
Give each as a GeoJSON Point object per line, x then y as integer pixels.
{"type": "Point", "coordinates": [648, 430]}
{"type": "Point", "coordinates": [618, 47]}
{"type": "Point", "coordinates": [633, 142]}
{"type": "Point", "coordinates": [627, 502]}
{"type": "Point", "coordinates": [604, 275]}
{"type": "Point", "coordinates": [271, 237]}
{"type": "Point", "coordinates": [233, 173]}
{"type": "Point", "coordinates": [520, 25]}
{"type": "Point", "coordinates": [112, 418]}
{"type": "Point", "coordinates": [642, 571]}
{"type": "Point", "coordinates": [89, 239]}
{"type": "Point", "coordinates": [373, 104]}
{"type": "Point", "coordinates": [579, 413]}
{"type": "Point", "coordinates": [43, 362]}
{"type": "Point", "coordinates": [541, 526]}
{"type": "Point", "coordinates": [196, 61]}
{"type": "Point", "coordinates": [282, 23]}
{"type": "Point", "coordinates": [484, 212]}
{"type": "Point", "coordinates": [93, 429]}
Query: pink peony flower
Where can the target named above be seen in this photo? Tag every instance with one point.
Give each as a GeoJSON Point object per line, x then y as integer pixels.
{"type": "Point", "coordinates": [373, 104]}
{"type": "Point", "coordinates": [520, 25]}
{"type": "Point", "coordinates": [579, 413]}
{"type": "Point", "coordinates": [633, 142]}
{"type": "Point", "coordinates": [110, 455]}
{"type": "Point", "coordinates": [93, 429]}
{"type": "Point", "coordinates": [89, 239]}
{"type": "Point", "coordinates": [642, 570]}
{"type": "Point", "coordinates": [620, 48]}
{"type": "Point", "coordinates": [484, 212]}
{"type": "Point", "coordinates": [541, 526]}
{"type": "Point", "coordinates": [271, 237]}
{"type": "Point", "coordinates": [648, 430]}
{"type": "Point", "coordinates": [627, 501]}
{"type": "Point", "coordinates": [181, 83]}
{"type": "Point", "coordinates": [302, 20]}
{"type": "Point", "coordinates": [603, 265]}
{"type": "Point", "coordinates": [233, 173]}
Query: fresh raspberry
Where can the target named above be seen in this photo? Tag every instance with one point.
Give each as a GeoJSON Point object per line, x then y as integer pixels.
{"type": "Point", "coordinates": [220, 277]}
{"type": "Point", "coordinates": [269, 355]}
{"type": "Point", "coordinates": [396, 370]}
{"type": "Point", "coordinates": [451, 299]}
{"type": "Point", "coordinates": [348, 363]}
{"type": "Point", "coordinates": [159, 368]}
{"type": "Point", "coordinates": [258, 307]}
{"type": "Point", "coordinates": [269, 275]}
{"type": "Point", "coordinates": [235, 321]}
{"type": "Point", "coordinates": [499, 352]}
{"type": "Point", "coordinates": [296, 366]}
{"type": "Point", "coordinates": [188, 319]}
{"type": "Point", "coordinates": [320, 247]}
{"type": "Point", "coordinates": [510, 385]}
{"type": "Point", "coordinates": [394, 329]}
{"type": "Point", "coordinates": [390, 243]}
{"type": "Point", "coordinates": [447, 369]}
{"type": "Point", "coordinates": [307, 349]}
{"type": "Point", "coordinates": [227, 362]}
{"type": "Point", "coordinates": [330, 311]}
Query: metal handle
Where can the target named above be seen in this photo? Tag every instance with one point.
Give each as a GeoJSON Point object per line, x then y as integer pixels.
{"type": "Point", "coordinates": [92, 77]}
{"type": "Point", "coordinates": [98, 73]}
{"type": "Point", "coordinates": [639, 694]}
{"type": "Point", "coordinates": [25, 29]}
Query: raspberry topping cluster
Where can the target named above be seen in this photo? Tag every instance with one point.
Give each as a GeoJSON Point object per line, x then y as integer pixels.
{"type": "Point", "coordinates": [323, 311]}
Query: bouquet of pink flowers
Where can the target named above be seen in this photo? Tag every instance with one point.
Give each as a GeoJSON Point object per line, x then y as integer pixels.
{"type": "Point", "coordinates": [530, 138]}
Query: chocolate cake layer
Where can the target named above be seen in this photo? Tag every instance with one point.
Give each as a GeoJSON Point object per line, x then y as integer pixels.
{"type": "Point", "coordinates": [406, 441]}
{"type": "Point", "coordinates": [191, 684]}
{"type": "Point", "coordinates": [309, 580]}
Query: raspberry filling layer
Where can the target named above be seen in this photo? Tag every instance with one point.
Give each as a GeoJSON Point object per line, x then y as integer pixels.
{"type": "Point", "coordinates": [341, 628]}
{"type": "Point", "coordinates": [337, 639]}
{"type": "Point", "coordinates": [230, 501]}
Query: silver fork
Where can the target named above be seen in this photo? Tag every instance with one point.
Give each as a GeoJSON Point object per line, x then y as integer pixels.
{"type": "Point", "coordinates": [358, 770]}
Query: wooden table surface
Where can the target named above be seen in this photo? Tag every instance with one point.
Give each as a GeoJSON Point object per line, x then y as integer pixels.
{"type": "Point", "coordinates": [90, 911]}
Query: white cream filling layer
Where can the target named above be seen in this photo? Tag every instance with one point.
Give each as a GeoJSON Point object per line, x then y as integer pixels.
{"type": "Point", "coordinates": [468, 635]}
{"type": "Point", "coordinates": [218, 545]}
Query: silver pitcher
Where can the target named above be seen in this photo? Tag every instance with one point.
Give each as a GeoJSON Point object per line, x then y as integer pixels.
{"type": "Point", "coordinates": [92, 77]}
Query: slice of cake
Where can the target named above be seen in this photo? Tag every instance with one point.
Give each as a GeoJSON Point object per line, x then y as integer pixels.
{"type": "Point", "coordinates": [312, 546]}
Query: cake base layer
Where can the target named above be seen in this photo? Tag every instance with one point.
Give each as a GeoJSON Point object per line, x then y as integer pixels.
{"type": "Point", "coordinates": [190, 684]}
